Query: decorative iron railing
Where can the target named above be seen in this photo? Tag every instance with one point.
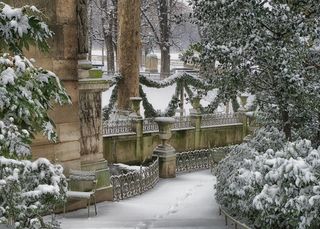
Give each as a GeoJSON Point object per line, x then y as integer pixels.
{"type": "Point", "coordinates": [149, 125]}
{"type": "Point", "coordinates": [219, 119]}
{"type": "Point", "coordinates": [120, 126]}
{"type": "Point", "coordinates": [134, 183]}
{"type": "Point", "coordinates": [182, 122]}
{"type": "Point", "coordinates": [200, 159]}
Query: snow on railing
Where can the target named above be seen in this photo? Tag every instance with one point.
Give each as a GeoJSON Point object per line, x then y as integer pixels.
{"type": "Point", "coordinates": [120, 126]}
{"type": "Point", "coordinates": [134, 183]}
{"type": "Point", "coordinates": [125, 126]}
{"type": "Point", "coordinates": [200, 159]}
{"type": "Point", "coordinates": [219, 119]}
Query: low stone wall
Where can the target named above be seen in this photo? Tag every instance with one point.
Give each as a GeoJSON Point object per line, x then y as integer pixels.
{"type": "Point", "coordinates": [137, 146]}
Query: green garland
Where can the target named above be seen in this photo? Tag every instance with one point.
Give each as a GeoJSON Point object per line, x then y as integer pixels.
{"type": "Point", "coordinates": [113, 99]}
{"type": "Point", "coordinates": [174, 102]}
{"type": "Point", "coordinates": [188, 78]}
{"type": "Point", "coordinates": [149, 111]}
{"type": "Point", "coordinates": [181, 79]}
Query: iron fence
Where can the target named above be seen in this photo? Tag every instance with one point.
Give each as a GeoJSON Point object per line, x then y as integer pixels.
{"type": "Point", "coordinates": [200, 159]}
{"type": "Point", "coordinates": [219, 119]}
{"type": "Point", "coordinates": [134, 183]}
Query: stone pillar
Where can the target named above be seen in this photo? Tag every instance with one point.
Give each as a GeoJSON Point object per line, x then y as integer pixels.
{"type": "Point", "coordinates": [196, 118]}
{"type": "Point", "coordinates": [91, 134]}
{"type": "Point", "coordinates": [165, 152]}
{"type": "Point", "coordinates": [137, 126]}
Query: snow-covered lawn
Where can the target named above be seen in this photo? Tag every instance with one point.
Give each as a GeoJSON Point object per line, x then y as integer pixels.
{"type": "Point", "coordinates": [184, 202]}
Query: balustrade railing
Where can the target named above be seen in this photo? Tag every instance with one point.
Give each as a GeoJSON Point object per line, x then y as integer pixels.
{"type": "Point", "coordinates": [182, 122]}
{"type": "Point", "coordinates": [219, 119]}
{"type": "Point", "coordinates": [120, 126]}
{"type": "Point", "coordinates": [134, 183]}
{"type": "Point", "coordinates": [200, 159]}
{"type": "Point", "coordinates": [149, 125]}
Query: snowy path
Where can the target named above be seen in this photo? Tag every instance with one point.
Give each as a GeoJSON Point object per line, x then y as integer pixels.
{"type": "Point", "coordinates": [184, 202]}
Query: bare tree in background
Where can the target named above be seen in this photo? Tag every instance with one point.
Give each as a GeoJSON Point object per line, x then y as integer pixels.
{"type": "Point", "coordinates": [159, 18]}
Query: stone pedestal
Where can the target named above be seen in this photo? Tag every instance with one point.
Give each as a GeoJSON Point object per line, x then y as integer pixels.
{"type": "Point", "coordinates": [91, 134]}
{"type": "Point", "coordinates": [165, 152]}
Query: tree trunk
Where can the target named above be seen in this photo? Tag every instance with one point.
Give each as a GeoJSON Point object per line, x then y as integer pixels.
{"type": "Point", "coordinates": [128, 51]}
{"type": "Point", "coordinates": [286, 124]}
{"type": "Point", "coordinates": [165, 62]}
{"type": "Point", "coordinates": [82, 14]}
{"type": "Point", "coordinates": [164, 38]}
{"type": "Point", "coordinates": [107, 24]}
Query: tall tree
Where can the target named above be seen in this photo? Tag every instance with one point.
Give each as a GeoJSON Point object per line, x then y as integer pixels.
{"type": "Point", "coordinates": [266, 48]}
{"type": "Point", "coordinates": [129, 44]}
{"type": "Point", "coordinates": [109, 27]}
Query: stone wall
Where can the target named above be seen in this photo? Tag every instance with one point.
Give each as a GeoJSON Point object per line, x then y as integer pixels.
{"type": "Point", "coordinates": [62, 59]}
{"type": "Point", "coordinates": [123, 148]}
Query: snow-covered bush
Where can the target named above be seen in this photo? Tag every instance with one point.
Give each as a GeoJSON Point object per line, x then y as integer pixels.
{"type": "Point", "coordinates": [271, 183]}
{"type": "Point", "coordinates": [28, 190]}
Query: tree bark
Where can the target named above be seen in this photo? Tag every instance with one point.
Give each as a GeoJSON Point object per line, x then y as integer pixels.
{"type": "Point", "coordinates": [164, 38]}
{"type": "Point", "coordinates": [108, 25]}
{"type": "Point", "coordinates": [82, 14]}
{"type": "Point", "coordinates": [128, 51]}
{"type": "Point", "coordinates": [286, 124]}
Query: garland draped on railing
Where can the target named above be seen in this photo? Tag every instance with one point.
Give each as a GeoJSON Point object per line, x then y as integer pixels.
{"type": "Point", "coordinates": [182, 79]}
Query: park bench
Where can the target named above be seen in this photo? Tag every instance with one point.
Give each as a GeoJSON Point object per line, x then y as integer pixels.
{"type": "Point", "coordinates": [79, 177]}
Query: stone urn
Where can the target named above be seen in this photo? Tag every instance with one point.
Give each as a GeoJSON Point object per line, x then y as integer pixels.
{"type": "Point", "coordinates": [165, 125]}
{"type": "Point", "coordinates": [135, 105]}
{"type": "Point", "coordinates": [165, 152]}
{"type": "Point", "coordinates": [195, 102]}
{"type": "Point", "coordinates": [243, 100]}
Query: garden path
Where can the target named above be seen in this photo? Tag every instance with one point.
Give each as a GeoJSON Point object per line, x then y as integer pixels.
{"type": "Point", "coordinates": [184, 202]}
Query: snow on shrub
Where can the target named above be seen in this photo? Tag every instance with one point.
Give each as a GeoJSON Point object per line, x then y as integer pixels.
{"type": "Point", "coordinates": [28, 190]}
{"type": "Point", "coordinates": [278, 187]}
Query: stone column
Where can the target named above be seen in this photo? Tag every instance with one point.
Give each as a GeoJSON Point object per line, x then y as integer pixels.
{"type": "Point", "coordinates": [137, 126]}
{"type": "Point", "coordinates": [91, 134]}
{"type": "Point", "coordinates": [196, 117]}
{"type": "Point", "coordinates": [165, 152]}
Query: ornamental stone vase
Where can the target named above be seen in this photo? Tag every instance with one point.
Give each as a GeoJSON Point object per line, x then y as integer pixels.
{"type": "Point", "coordinates": [195, 102]}
{"type": "Point", "coordinates": [243, 100]}
{"type": "Point", "coordinates": [135, 106]}
{"type": "Point", "coordinates": [165, 152]}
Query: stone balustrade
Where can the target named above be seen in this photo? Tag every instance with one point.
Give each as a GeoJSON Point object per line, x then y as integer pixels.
{"type": "Point", "coordinates": [181, 122]}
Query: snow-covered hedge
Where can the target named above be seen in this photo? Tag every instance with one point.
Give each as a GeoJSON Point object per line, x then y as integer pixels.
{"type": "Point", "coordinates": [271, 183]}
{"type": "Point", "coordinates": [28, 191]}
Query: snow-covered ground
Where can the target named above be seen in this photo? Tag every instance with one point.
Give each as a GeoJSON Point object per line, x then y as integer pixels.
{"type": "Point", "coordinates": [184, 202]}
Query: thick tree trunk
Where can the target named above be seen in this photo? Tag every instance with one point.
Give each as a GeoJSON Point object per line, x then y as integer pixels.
{"type": "Point", "coordinates": [165, 62]}
{"type": "Point", "coordinates": [128, 51]}
{"type": "Point", "coordinates": [108, 25]}
{"type": "Point", "coordinates": [110, 54]}
{"type": "Point", "coordinates": [286, 124]}
{"type": "Point", "coordinates": [164, 38]}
